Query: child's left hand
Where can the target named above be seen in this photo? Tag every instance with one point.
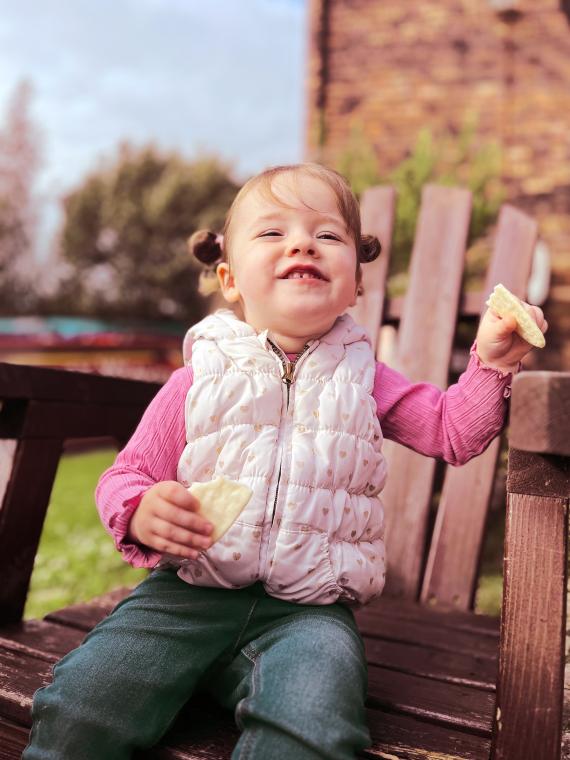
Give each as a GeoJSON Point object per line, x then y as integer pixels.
{"type": "Point", "coordinates": [498, 345]}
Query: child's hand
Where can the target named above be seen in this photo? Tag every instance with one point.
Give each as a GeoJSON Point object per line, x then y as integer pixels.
{"type": "Point", "coordinates": [498, 345]}
{"type": "Point", "coordinates": [166, 521]}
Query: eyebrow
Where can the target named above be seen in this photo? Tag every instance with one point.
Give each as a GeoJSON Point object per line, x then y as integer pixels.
{"type": "Point", "coordinates": [325, 218]}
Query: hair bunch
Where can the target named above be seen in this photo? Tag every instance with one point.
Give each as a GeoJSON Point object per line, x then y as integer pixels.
{"type": "Point", "coordinates": [206, 246]}
{"type": "Point", "coordinates": [369, 250]}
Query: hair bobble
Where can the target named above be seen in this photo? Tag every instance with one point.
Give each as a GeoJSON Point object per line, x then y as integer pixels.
{"type": "Point", "coordinates": [370, 249]}
{"type": "Point", "coordinates": [206, 246]}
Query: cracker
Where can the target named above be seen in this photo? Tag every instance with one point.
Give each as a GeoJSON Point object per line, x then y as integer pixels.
{"type": "Point", "coordinates": [221, 503]}
{"type": "Point", "coordinates": [505, 303]}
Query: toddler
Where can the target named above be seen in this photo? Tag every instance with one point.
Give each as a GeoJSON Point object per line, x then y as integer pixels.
{"type": "Point", "coordinates": [289, 401]}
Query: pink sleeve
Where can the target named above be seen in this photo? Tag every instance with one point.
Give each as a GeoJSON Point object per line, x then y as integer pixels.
{"type": "Point", "coordinates": [454, 425]}
{"type": "Point", "coordinates": [150, 456]}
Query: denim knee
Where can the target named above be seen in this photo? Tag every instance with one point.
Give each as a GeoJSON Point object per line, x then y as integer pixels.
{"type": "Point", "coordinates": [302, 684]}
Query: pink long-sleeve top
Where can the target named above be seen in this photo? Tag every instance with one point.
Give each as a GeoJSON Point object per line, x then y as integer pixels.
{"type": "Point", "coordinates": [453, 425]}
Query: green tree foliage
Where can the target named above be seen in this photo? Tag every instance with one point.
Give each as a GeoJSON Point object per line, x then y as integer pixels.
{"type": "Point", "coordinates": [126, 228]}
{"type": "Point", "coordinates": [462, 159]}
{"type": "Point", "coordinates": [19, 164]}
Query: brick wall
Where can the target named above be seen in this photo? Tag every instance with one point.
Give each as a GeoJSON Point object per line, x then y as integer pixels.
{"type": "Point", "coordinates": [395, 67]}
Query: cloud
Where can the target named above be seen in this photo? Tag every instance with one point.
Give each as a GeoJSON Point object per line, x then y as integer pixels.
{"type": "Point", "coordinates": [224, 76]}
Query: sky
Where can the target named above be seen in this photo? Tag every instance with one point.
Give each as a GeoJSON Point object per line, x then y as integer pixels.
{"type": "Point", "coordinates": [214, 76]}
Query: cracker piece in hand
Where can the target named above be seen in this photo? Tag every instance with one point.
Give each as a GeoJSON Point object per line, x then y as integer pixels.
{"type": "Point", "coordinates": [505, 303]}
{"type": "Point", "coordinates": [221, 503]}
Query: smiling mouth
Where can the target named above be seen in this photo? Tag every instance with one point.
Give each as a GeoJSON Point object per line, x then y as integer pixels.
{"type": "Point", "coordinates": [304, 274]}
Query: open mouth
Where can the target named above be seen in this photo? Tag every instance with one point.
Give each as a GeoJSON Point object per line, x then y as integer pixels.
{"type": "Point", "coordinates": [303, 273]}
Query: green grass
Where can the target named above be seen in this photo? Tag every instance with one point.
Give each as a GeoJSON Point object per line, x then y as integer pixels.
{"type": "Point", "coordinates": [76, 559]}
{"type": "Point", "coordinates": [490, 589]}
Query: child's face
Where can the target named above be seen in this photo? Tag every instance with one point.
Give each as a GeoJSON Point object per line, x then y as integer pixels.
{"type": "Point", "coordinates": [273, 243]}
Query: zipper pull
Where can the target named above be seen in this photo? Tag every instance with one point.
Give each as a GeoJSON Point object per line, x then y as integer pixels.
{"type": "Point", "coordinates": [287, 376]}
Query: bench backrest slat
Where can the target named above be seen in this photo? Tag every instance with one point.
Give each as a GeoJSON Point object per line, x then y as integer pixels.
{"type": "Point", "coordinates": [424, 349]}
{"type": "Point", "coordinates": [377, 210]}
{"type": "Point", "coordinates": [453, 561]}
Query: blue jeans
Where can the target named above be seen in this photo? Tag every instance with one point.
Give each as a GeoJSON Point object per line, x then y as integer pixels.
{"type": "Point", "coordinates": [294, 675]}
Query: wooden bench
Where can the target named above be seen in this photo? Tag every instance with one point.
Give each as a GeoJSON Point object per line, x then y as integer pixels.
{"type": "Point", "coordinates": [443, 682]}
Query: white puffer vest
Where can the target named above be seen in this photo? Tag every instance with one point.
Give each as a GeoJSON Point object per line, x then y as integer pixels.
{"type": "Point", "coordinates": [313, 531]}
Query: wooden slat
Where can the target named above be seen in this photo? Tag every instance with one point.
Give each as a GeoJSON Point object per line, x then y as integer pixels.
{"type": "Point", "coordinates": [420, 660]}
{"type": "Point", "coordinates": [52, 639]}
{"type": "Point", "coordinates": [528, 721]}
{"type": "Point", "coordinates": [84, 616]}
{"type": "Point", "coordinates": [401, 737]}
{"type": "Point", "coordinates": [424, 350]}
{"type": "Point", "coordinates": [446, 704]}
{"type": "Point", "coordinates": [377, 211]}
{"type": "Point", "coordinates": [22, 514]}
{"type": "Point", "coordinates": [73, 420]}
{"type": "Point", "coordinates": [41, 383]}
{"type": "Point", "coordinates": [452, 568]}
{"type": "Point", "coordinates": [20, 676]}
{"type": "Point", "coordinates": [420, 613]}
{"type": "Point", "coordinates": [424, 634]}
{"type": "Point", "coordinates": [13, 740]}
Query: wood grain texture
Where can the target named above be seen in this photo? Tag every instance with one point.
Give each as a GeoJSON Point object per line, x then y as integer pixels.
{"type": "Point", "coordinates": [528, 719]}
{"type": "Point", "coordinates": [22, 516]}
{"type": "Point", "coordinates": [74, 420]}
{"type": "Point", "coordinates": [377, 210]}
{"type": "Point", "coordinates": [433, 636]}
{"type": "Point", "coordinates": [445, 704]}
{"type": "Point", "coordinates": [452, 568]}
{"type": "Point", "coordinates": [41, 383]}
{"type": "Point", "coordinates": [455, 620]}
{"type": "Point", "coordinates": [424, 350]}
{"type": "Point", "coordinates": [540, 413]}
{"type": "Point", "coordinates": [401, 737]}
{"type": "Point", "coordinates": [538, 475]}
{"type": "Point", "coordinates": [463, 669]}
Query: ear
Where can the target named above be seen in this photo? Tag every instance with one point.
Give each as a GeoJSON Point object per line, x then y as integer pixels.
{"type": "Point", "coordinates": [227, 282]}
{"type": "Point", "coordinates": [358, 291]}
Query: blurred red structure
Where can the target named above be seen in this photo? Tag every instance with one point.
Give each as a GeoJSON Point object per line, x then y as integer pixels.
{"type": "Point", "coordinates": [140, 352]}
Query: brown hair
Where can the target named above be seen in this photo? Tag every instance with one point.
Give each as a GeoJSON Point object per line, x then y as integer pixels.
{"type": "Point", "coordinates": [210, 250]}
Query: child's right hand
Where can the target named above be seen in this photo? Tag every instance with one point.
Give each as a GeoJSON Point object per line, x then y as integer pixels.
{"type": "Point", "coordinates": [166, 521]}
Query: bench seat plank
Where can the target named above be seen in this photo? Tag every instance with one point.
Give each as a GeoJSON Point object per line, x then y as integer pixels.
{"type": "Point", "coordinates": [446, 704]}
{"type": "Point", "coordinates": [427, 634]}
{"type": "Point", "coordinates": [466, 670]}
{"type": "Point", "coordinates": [452, 619]}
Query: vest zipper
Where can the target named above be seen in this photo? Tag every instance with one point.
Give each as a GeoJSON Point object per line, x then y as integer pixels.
{"type": "Point", "coordinates": [288, 377]}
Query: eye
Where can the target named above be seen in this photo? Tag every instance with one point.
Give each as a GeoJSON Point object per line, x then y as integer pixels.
{"type": "Point", "coordinates": [270, 233]}
{"type": "Point", "coordinates": [328, 236]}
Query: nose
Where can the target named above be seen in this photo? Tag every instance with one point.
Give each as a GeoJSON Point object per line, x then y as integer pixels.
{"type": "Point", "coordinates": [301, 242]}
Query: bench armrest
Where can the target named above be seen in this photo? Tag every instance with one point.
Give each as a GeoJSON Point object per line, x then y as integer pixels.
{"type": "Point", "coordinates": [528, 721]}
{"type": "Point", "coordinates": [39, 409]}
